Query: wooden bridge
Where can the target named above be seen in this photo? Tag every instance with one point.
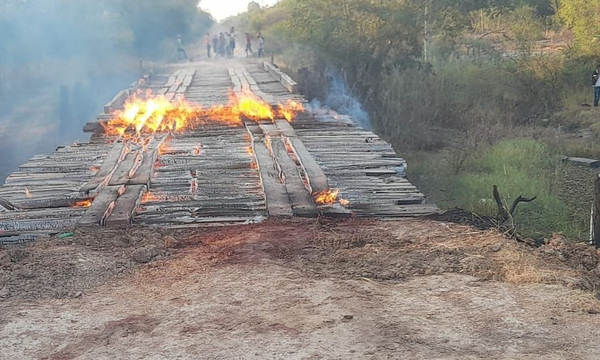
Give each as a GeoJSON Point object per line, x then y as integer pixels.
{"type": "Point", "coordinates": [215, 174]}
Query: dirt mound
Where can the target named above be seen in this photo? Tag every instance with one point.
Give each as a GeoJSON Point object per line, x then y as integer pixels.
{"type": "Point", "coordinates": [349, 249]}
{"type": "Point", "coordinates": [464, 217]}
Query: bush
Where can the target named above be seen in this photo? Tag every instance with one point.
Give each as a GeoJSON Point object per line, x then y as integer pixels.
{"type": "Point", "coordinates": [518, 167]}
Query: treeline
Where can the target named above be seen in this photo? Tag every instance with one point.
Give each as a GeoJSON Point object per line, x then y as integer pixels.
{"type": "Point", "coordinates": [450, 63]}
{"type": "Point", "coordinates": [33, 29]}
{"type": "Point", "coordinates": [472, 92]}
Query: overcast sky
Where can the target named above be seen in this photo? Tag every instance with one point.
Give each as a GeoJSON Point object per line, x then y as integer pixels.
{"type": "Point", "coordinates": [221, 9]}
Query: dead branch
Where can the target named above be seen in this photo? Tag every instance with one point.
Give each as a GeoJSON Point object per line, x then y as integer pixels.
{"type": "Point", "coordinates": [518, 200]}
{"type": "Point", "coordinates": [502, 213]}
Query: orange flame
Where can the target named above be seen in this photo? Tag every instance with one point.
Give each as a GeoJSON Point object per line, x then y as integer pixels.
{"type": "Point", "coordinates": [250, 106]}
{"type": "Point", "coordinates": [290, 109]}
{"type": "Point", "coordinates": [329, 197]}
{"type": "Point", "coordinates": [149, 197]}
{"type": "Point", "coordinates": [149, 113]}
{"type": "Point", "coordinates": [27, 193]}
{"type": "Point", "coordinates": [83, 203]}
{"type": "Point", "coordinates": [197, 150]}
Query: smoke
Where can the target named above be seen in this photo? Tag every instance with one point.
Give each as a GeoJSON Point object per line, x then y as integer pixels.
{"type": "Point", "coordinates": [340, 99]}
{"type": "Point", "coordinates": [62, 60]}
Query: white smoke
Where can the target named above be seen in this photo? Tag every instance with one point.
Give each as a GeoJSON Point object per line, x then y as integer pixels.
{"type": "Point", "coordinates": [340, 99]}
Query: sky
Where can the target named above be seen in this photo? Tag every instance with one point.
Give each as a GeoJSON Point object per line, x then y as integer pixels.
{"type": "Point", "coordinates": [221, 9]}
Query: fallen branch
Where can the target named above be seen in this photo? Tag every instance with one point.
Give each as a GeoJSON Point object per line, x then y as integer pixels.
{"type": "Point", "coordinates": [518, 200]}
{"type": "Point", "coordinates": [503, 213]}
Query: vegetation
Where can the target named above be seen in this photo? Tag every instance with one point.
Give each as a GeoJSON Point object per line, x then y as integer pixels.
{"type": "Point", "coordinates": [488, 92]}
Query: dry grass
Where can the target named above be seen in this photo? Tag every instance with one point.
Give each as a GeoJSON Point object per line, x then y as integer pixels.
{"type": "Point", "coordinates": [403, 249]}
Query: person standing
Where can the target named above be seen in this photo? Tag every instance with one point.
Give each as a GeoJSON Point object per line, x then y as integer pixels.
{"type": "Point", "coordinates": [232, 45]}
{"type": "Point", "coordinates": [261, 46]}
{"type": "Point", "coordinates": [180, 49]}
{"type": "Point", "coordinates": [207, 42]}
{"type": "Point", "coordinates": [222, 44]}
{"type": "Point", "coordinates": [249, 44]}
{"type": "Point", "coordinates": [596, 85]}
{"type": "Point", "coordinates": [215, 44]}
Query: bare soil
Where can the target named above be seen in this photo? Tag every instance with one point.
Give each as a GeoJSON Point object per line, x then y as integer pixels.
{"type": "Point", "coordinates": [301, 289]}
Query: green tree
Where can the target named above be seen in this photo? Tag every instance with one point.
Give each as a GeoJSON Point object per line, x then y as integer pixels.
{"type": "Point", "coordinates": [582, 17]}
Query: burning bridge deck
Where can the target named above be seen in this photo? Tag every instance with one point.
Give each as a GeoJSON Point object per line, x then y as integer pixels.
{"type": "Point", "coordinates": [218, 173]}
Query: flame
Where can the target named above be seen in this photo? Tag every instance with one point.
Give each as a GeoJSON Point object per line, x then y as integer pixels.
{"type": "Point", "coordinates": [290, 109]}
{"type": "Point", "coordinates": [27, 193]}
{"type": "Point", "coordinates": [326, 197]}
{"type": "Point", "coordinates": [329, 197]}
{"type": "Point", "coordinates": [197, 150]}
{"type": "Point", "coordinates": [251, 106]}
{"type": "Point", "coordinates": [147, 113]}
{"type": "Point", "coordinates": [83, 203]}
{"type": "Point", "coordinates": [94, 168]}
{"type": "Point", "coordinates": [149, 197]}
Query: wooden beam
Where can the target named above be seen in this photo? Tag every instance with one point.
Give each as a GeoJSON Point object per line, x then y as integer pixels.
{"type": "Point", "coordinates": [316, 177]}
{"type": "Point", "coordinates": [126, 206]}
{"type": "Point", "coordinates": [101, 207]}
{"type": "Point", "coordinates": [117, 102]}
{"type": "Point", "coordinates": [278, 203]}
{"type": "Point", "coordinates": [302, 201]}
{"type": "Point", "coordinates": [114, 157]}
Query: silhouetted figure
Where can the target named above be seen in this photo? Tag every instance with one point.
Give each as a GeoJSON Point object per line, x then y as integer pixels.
{"type": "Point", "coordinates": [215, 44]}
{"type": "Point", "coordinates": [231, 45]}
{"type": "Point", "coordinates": [249, 44]}
{"type": "Point", "coordinates": [180, 49]}
{"type": "Point", "coordinates": [596, 85]}
{"type": "Point", "coordinates": [222, 45]}
{"type": "Point", "coordinates": [261, 46]}
{"type": "Point", "coordinates": [207, 42]}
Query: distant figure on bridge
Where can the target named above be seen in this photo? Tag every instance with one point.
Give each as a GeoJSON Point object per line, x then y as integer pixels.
{"type": "Point", "coordinates": [180, 49]}
{"type": "Point", "coordinates": [215, 44]}
{"type": "Point", "coordinates": [596, 85]}
{"type": "Point", "coordinates": [232, 44]}
{"type": "Point", "coordinates": [261, 46]}
{"type": "Point", "coordinates": [222, 45]}
{"type": "Point", "coordinates": [249, 44]}
{"type": "Point", "coordinates": [207, 42]}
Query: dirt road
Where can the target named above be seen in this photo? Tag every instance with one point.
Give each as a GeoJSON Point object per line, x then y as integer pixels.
{"type": "Point", "coordinates": [295, 290]}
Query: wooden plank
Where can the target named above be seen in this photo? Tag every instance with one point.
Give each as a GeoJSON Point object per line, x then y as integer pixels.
{"type": "Point", "coordinates": [591, 163]}
{"type": "Point", "coordinates": [316, 177]}
{"type": "Point", "coordinates": [302, 201]}
{"type": "Point", "coordinates": [126, 205]}
{"type": "Point", "coordinates": [101, 207]}
{"type": "Point", "coordinates": [37, 225]}
{"type": "Point", "coordinates": [116, 102]}
{"type": "Point", "coordinates": [146, 170]}
{"type": "Point", "coordinates": [278, 204]}
{"type": "Point", "coordinates": [283, 78]}
{"type": "Point", "coordinates": [114, 157]}
{"type": "Point", "coordinates": [121, 175]}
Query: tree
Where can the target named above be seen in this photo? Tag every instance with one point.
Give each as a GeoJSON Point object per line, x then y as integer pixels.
{"type": "Point", "coordinates": [253, 6]}
{"type": "Point", "coordinates": [582, 17]}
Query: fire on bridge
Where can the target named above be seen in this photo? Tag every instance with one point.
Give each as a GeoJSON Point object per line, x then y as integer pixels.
{"type": "Point", "coordinates": [208, 148]}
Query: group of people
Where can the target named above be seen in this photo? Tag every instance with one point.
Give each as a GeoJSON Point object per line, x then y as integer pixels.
{"type": "Point", "coordinates": [224, 44]}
